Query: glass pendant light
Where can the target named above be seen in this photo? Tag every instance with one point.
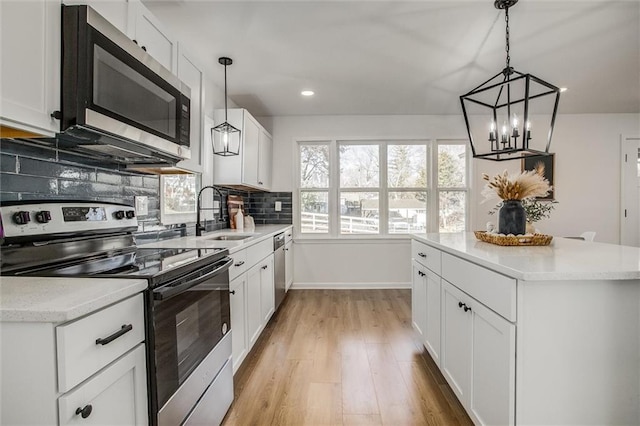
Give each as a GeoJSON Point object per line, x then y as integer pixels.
{"type": "Point", "coordinates": [503, 108]}
{"type": "Point", "coordinates": [225, 137]}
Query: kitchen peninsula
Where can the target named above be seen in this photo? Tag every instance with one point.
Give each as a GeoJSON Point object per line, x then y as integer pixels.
{"type": "Point", "coordinates": [532, 335]}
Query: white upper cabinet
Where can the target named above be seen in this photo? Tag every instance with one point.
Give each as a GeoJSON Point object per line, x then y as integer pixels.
{"type": "Point", "coordinates": [252, 168]}
{"type": "Point", "coordinates": [145, 29]}
{"type": "Point", "coordinates": [191, 74]}
{"type": "Point", "coordinates": [30, 70]}
{"type": "Point", "coordinates": [265, 154]}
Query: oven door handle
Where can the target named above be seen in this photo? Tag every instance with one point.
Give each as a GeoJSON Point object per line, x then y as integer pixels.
{"type": "Point", "coordinates": [164, 293]}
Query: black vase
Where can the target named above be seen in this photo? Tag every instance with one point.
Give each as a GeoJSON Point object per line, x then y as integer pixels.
{"type": "Point", "coordinates": [512, 219]}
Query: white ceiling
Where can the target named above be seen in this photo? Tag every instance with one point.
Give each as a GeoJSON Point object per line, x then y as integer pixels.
{"type": "Point", "coordinates": [408, 57]}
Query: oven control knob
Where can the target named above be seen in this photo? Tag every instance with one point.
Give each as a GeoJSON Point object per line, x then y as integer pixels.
{"type": "Point", "coordinates": [119, 214]}
{"type": "Point", "coordinates": [43, 216]}
{"type": "Point", "coordinates": [130, 214]}
{"type": "Point", "coordinates": [21, 218]}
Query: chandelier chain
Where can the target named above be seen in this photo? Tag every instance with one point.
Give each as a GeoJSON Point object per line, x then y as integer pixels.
{"type": "Point", "coordinates": [506, 18]}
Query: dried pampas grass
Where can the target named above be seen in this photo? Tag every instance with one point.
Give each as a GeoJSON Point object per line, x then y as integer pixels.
{"type": "Point", "coordinates": [528, 184]}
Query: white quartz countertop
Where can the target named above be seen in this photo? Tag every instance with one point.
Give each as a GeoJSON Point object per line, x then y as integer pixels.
{"type": "Point", "coordinates": [255, 235]}
{"type": "Point", "coordinates": [564, 259]}
{"type": "Point", "coordinates": [57, 299]}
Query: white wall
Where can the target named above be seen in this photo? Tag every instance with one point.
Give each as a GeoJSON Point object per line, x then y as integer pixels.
{"type": "Point", "coordinates": [587, 181]}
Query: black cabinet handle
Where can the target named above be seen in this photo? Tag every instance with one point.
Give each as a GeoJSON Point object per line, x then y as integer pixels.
{"type": "Point", "coordinates": [422, 255]}
{"type": "Point", "coordinates": [232, 292]}
{"type": "Point", "coordinates": [239, 263]}
{"type": "Point", "coordinates": [260, 183]}
{"type": "Point", "coordinates": [264, 267]}
{"type": "Point", "coordinates": [85, 411]}
{"type": "Point", "coordinates": [464, 306]}
{"type": "Point", "coordinates": [422, 274]}
{"type": "Point", "coordinates": [144, 48]}
{"type": "Point", "coordinates": [125, 329]}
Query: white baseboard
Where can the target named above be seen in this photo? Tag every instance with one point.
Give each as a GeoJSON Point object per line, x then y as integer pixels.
{"type": "Point", "coordinates": [348, 286]}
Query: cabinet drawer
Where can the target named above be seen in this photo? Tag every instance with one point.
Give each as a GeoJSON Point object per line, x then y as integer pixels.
{"type": "Point", "coordinates": [426, 255]}
{"type": "Point", "coordinates": [115, 396]}
{"type": "Point", "coordinates": [494, 290]}
{"type": "Point", "coordinates": [288, 235]}
{"type": "Point", "coordinates": [259, 251]}
{"type": "Point", "coordinates": [239, 265]}
{"type": "Point", "coordinates": [80, 353]}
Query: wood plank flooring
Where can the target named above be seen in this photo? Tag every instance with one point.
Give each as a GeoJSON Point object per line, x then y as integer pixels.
{"type": "Point", "coordinates": [342, 357]}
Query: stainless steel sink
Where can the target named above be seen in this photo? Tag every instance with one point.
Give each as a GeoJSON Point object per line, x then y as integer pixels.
{"type": "Point", "coordinates": [229, 237]}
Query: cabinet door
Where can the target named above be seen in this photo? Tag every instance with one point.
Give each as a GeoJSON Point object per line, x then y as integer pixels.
{"type": "Point", "coordinates": [191, 74]}
{"type": "Point", "coordinates": [288, 262]}
{"type": "Point", "coordinates": [254, 306]}
{"type": "Point", "coordinates": [30, 35]}
{"type": "Point", "coordinates": [149, 33]}
{"type": "Point", "coordinates": [492, 397]}
{"type": "Point", "coordinates": [238, 320]}
{"type": "Point", "coordinates": [267, 289]}
{"type": "Point", "coordinates": [432, 326]}
{"type": "Point", "coordinates": [419, 300]}
{"type": "Point", "coordinates": [266, 154]}
{"type": "Point", "coordinates": [250, 150]}
{"type": "Point", "coordinates": [115, 396]}
{"type": "Point", "coordinates": [455, 357]}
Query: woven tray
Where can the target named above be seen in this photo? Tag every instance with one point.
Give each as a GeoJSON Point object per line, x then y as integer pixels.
{"type": "Point", "coordinates": [512, 240]}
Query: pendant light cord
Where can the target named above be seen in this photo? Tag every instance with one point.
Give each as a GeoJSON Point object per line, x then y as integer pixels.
{"type": "Point", "coordinates": [506, 18]}
{"type": "Point", "coordinates": [225, 94]}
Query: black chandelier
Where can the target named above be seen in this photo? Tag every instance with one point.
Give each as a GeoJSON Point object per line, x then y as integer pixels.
{"type": "Point", "coordinates": [510, 99]}
{"type": "Point", "coordinates": [225, 137]}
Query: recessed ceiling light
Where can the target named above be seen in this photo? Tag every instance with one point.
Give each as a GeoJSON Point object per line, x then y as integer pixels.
{"type": "Point", "coordinates": [307, 93]}
{"type": "Point", "coordinates": [563, 89]}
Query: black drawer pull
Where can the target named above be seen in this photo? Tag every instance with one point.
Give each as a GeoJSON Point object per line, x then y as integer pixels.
{"type": "Point", "coordinates": [264, 266]}
{"type": "Point", "coordinates": [125, 329]}
{"type": "Point", "coordinates": [85, 411]}
{"type": "Point", "coordinates": [239, 263]}
{"type": "Point", "coordinates": [466, 308]}
{"type": "Point", "coordinates": [232, 292]}
{"type": "Point", "coordinates": [422, 255]}
{"type": "Point", "coordinates": [422, 274]}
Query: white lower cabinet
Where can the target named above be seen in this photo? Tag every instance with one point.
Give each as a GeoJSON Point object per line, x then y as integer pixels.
{"type": "Point", "coordinates": [478, 357]}
{"type": "Point", "coordinates": [267, 289]}
{"type": "Point", "coordinates": [91, 370]}
{"type": "Point", "coordinates": [252, 296]}
{"type": "Point", "coordinates": [115, 396]}
{"type": "Point", "coordinates": [238, 299]}
{"type": "Point", "coordinates": [288, 262]}
{"type": "Point", "coordinates": [419, 299]}
{"type": "Point", "coordinates": [260, 297]}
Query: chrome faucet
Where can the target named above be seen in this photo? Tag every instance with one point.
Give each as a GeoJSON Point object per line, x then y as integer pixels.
{"type": "Point", "coordinates": [200, 227]}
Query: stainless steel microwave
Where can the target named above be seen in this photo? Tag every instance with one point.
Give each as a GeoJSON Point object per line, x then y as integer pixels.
{"type": "Point", "coordinates": [118, 102]}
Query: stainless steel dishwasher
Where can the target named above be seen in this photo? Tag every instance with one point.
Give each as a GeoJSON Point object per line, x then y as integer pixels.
{"type": "Point", "coordinates": [279, 268]}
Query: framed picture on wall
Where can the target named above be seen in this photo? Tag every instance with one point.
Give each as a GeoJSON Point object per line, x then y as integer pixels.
{"type": "Point", "coordinates": [530, 163]}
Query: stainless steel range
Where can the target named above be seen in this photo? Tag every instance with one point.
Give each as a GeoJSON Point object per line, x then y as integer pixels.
{"type": "Point", "coordinates": [187, 314]}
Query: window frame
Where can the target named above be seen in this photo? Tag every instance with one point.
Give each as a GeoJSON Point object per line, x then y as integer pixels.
{"type": "Point", "coordinates": [334, 189]}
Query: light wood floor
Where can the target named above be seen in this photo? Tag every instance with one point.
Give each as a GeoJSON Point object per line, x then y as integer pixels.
{"type": "Point", "coordinates": [332, 357]}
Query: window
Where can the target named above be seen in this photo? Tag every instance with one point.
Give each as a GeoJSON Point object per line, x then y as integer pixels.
{"type": "Point", "coordinates": [348, 187]}
{"type": "Point", "coordinates": [178, 198]}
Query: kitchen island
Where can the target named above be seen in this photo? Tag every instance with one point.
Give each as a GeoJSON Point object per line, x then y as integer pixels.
{"type": "Point", "coordinates": [532, 335]}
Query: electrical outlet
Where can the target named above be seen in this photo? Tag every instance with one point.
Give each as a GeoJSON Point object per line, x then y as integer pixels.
{"type": "Point", "coordinates": [278, 206]}
{"type": "Point", "coordinates": [142, 205]}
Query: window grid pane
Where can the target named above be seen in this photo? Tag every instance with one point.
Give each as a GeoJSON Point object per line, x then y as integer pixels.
{"type": "Point", "coordinates": [452, 166]}
{"type": "Point", "coordinates": [407, 166]}
{"type": "Point", "coordinates": [359, 166]}
{"type": "Point", "coordinates": [359, 212]}
{"type": "Point", "coordinates": [452, 211]}
{"type": "Point", "coordinates": [314, 212]}
{"type": "Point", "coordinates": [314, 166]}
{"type": "Point", "coordinates": [407, 212]}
